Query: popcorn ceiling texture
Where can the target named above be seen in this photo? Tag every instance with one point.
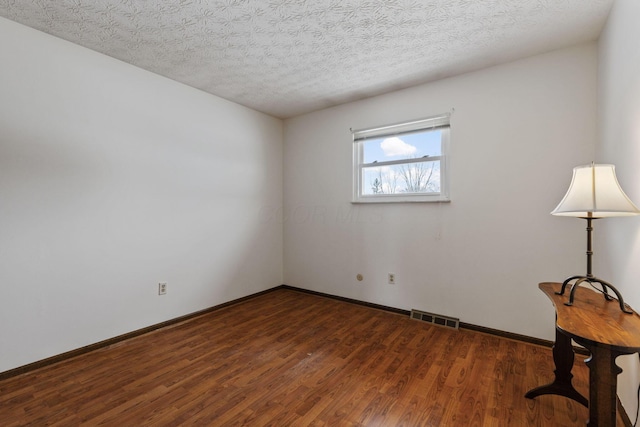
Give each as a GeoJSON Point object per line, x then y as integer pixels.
{"type": "Point", "coordinates": [289, 57]}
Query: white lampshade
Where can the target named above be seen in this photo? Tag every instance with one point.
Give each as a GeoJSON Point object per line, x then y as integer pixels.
{"type": "Point", "coordinates": [594, 192]}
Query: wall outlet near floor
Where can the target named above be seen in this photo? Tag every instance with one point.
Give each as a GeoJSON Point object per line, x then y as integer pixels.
{"type": "Point", "coordinates": [392, 278]}
{"type": "Point", "coordinates": [162, 288]}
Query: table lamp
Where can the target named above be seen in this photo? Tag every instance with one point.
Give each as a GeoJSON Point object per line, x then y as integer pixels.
{"type": "Point", "coordinates": [594, 193]}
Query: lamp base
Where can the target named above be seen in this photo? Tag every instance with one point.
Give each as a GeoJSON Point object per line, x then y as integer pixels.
{"type": "Point", "coordinates": [591, 280]}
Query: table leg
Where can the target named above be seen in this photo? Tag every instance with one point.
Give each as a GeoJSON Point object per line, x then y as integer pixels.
{"type": "Point", "coordinates": [563, 357]}
{"type": "Point", "coordinates": [603, 377]}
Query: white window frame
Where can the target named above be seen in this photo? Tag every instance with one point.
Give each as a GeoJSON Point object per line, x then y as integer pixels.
{"type": "Point", "coordinates": [441, 122]}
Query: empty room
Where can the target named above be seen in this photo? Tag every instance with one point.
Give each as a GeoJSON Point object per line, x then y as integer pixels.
{"type": "Point", "coordinates": [319, 213]}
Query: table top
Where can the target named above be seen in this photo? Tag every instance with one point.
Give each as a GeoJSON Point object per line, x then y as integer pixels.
{"type": "Point", "coordinates": [594, 319]}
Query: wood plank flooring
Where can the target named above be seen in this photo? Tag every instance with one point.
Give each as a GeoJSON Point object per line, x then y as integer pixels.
{"type": "Point", "coordinates": [288, 358]}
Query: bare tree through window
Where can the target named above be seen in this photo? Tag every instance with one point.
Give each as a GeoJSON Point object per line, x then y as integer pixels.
{"type": "Point", "coordinates": [421, 177]}
{"type": "Point", "coordinates": [418, 177]}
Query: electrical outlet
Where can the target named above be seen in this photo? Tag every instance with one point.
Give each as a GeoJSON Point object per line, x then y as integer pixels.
{"type": "Point", "coordinates": [162, 288]}
{"type": "Point", "coordinates": [392, 279]}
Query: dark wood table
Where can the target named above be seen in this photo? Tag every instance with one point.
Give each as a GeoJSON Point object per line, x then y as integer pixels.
{"type": "Point", "coordinates": [603, 329]}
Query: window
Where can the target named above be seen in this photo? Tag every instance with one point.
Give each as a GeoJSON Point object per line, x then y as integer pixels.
{"type": "Point", "coordinates": [402, 163]}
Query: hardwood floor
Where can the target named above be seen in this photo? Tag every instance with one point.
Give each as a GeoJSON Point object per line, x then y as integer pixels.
{"type": "Point", "coordinates": [290, 358]}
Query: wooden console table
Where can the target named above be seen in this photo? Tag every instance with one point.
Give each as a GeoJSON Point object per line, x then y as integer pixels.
{"type": "Point", "coordinates": [601, 327]}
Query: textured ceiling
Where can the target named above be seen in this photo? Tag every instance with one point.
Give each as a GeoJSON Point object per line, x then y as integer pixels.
{"type": "Point", "coordinates": [288, 57]}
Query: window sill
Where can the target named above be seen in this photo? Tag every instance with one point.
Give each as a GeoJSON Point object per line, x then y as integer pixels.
{"type": "Point", "coordinates": [401, 199]}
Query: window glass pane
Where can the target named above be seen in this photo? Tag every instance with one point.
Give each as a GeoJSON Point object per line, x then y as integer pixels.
{"type": "Point", "coordinates": [408, 146]}
{"type": "Point", "coordinates": [419, 177]}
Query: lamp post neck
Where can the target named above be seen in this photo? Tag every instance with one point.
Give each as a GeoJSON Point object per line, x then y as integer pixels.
{"type": "Point", "coordinates": [589, 246]}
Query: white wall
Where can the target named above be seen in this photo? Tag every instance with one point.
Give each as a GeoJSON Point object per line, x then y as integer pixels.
{"type": "Point", "coordinates": [113, 179]}
{"type": "Point", "coordinates": [517, 131]}
{"type": "Point", "coordinates": [617, 250]}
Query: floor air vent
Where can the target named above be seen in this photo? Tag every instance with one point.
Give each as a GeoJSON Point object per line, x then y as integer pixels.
{"type": "Point", "coordinates": [436, 319]}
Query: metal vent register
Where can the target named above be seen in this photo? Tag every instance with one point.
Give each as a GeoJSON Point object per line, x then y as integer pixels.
{"type": "Point", "coordinates": [436, 319]}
